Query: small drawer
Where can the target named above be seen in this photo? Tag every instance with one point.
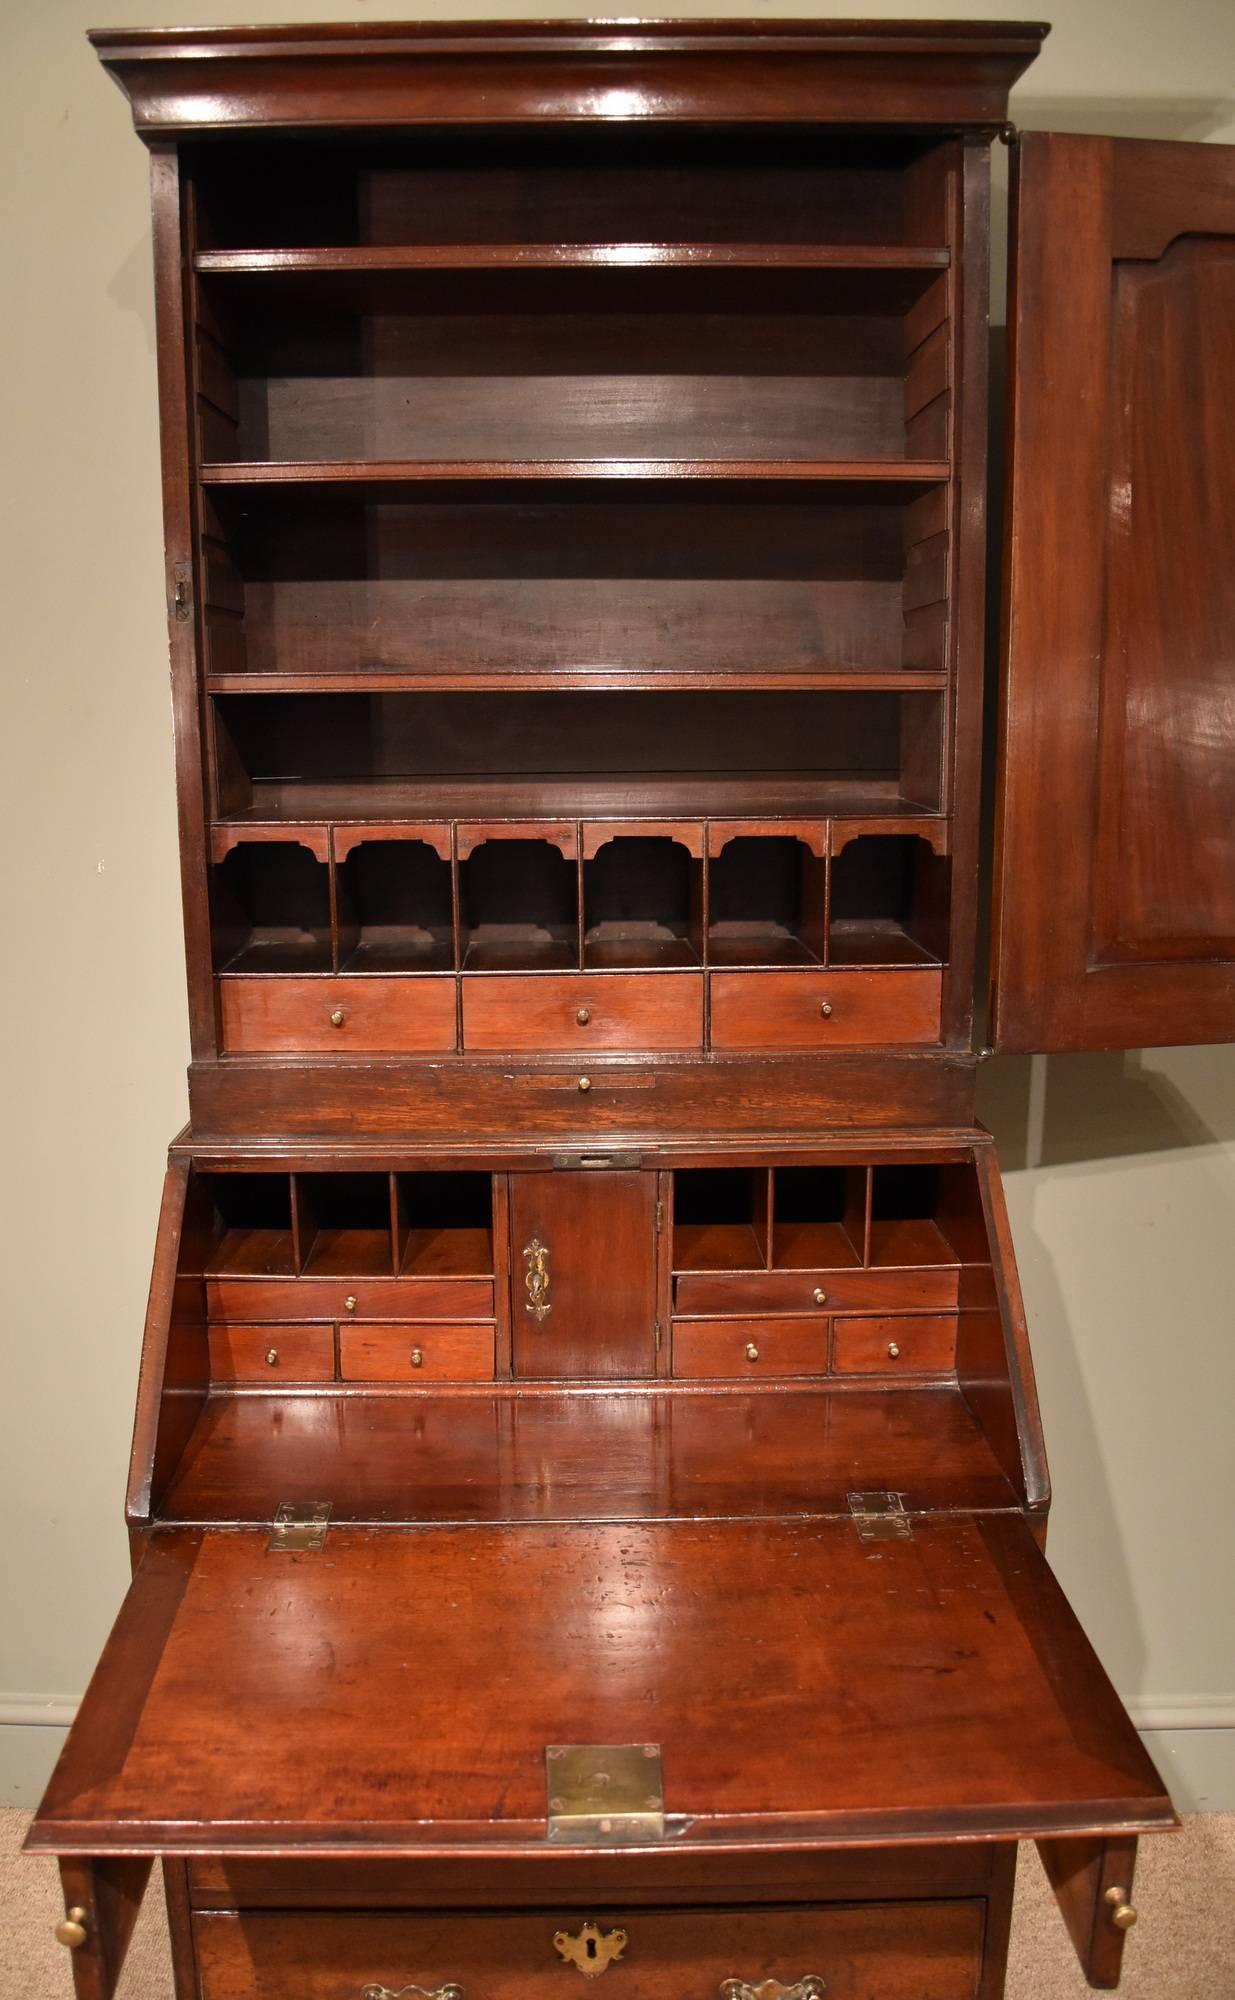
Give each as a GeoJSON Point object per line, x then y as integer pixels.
{"type": "Point", "coordinates": [349, 1298]}
{"type": "Point", "coordinates": [412, 1351]}
{"type": "Point", "coordinates": [795, 1291]}
{"type": "Point", "coordinates": [369, 1016]}
{"type": "Point", "coordinates": [926, 1950]}
{"type": "Point", "coordinates": [922, 1344]}
{"type": "Point", "coordinates": [583, 1011]}
{"type": "Point", "coordinates": [272, 1353]}
{"type": "Point", "coordinates": [750, 1348]}
{"type": "Point", "coordinates": [824, 1009]}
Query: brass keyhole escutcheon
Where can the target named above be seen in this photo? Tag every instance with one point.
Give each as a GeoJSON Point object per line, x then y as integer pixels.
{"type": "Point", "coordinates": [272, 1357]}
{"type": "Point", "coordinates": [591, 1950]}
{"type": "Point", "coordinates": [536, 1279]}
{"type": "Point", "coordinates": [71, 1931]}
{"type": "Point", "coordinates": [337, 1017]}
{"type": "Point", "coordinates": [583, 1015]}
{"type": "Point", "coordinates": [417, 1357]}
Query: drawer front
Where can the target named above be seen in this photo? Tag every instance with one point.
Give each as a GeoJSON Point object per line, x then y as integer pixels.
{"type": "Point", "coordinates": [794, 1291]}
{"type": "Point", "coordinates": [272, 1353]}
{"type": "Point", "coordinates": [750, 1348]}
{"type": "Point", "coordinates": [919, 1345]}
{"type": "Point", "coordinates": [409, 1351]}
{"type": "Point", "coordinates": [584, 1011]}
{"type": "Point", "coordinates": [349, 1298]}
{"type": "Point", "coordinates": [333, 1017]}
{"type": "Point", "coordinates": [862, 1951]}
{"type": "Point", "coordinates": [785, 1010]}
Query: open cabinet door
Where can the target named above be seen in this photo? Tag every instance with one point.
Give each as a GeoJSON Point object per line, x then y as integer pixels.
{"type": "Point", "coordinates": [1115, 868]}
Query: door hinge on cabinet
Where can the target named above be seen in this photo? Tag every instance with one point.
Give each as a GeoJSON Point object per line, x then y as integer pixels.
{"type": "Point", "coordinates": [299, 1525]}
{"type": "Point", "coordinates": [182, 590]}
{"type": "Point", "coordinates": [658, 1336]}
{"type": "Point", "coordinates": [660, 1217]}
{"type": "Point", "coordinates": [880, 1517]}
{"type": "Point", "coordinates": [605, 1794]}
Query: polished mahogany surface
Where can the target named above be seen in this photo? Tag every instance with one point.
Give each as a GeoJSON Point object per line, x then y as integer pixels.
{"type": "Point", "coordinates": [781, 1707]}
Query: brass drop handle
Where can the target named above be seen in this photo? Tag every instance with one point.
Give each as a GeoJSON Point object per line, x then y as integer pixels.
{"type": "Point", "coordinates": [448, 1992]}
{"type": "Point", "coordinates": [1123, 1913]}
{"type": "Point", "coordinates": [811, 1987]}
{"type": "Point", "coordinates": [536, 1279]}
{"type": "Point", "coordinates": [825, 1008]}
{"type": "Point", "coordinates": [337, 1017]}
{"type": "Point", "coordinates": [894, 1352]}
{"type": "Point", "coordinates": [416, 1357]}
{"type": "Point", "coordinates": [272, 1357]}
{"type": "Point", "coordinates": [752, 1351]}
{"type": "Point", "coordinates": [820, 1296]}
{"type": "Point", "coordinates": [71, 1931]}
{"type": "Point", "coordinates": [351, 1302]}
{"type": "Point", "coordinates": [583, 1015]}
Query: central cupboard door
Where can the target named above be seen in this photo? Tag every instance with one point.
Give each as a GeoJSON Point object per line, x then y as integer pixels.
{"type": "Point", "coordinates": [583, 1273]}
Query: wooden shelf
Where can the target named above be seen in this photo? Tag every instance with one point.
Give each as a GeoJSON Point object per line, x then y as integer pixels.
{"type": "Point", "coordinates": [586, 680]}
{"type": "Point", "coordinates": [854, 474]}
{"type": "Point", "coordinates": [751, 795]}
{"type": "Point", "coordinates": [352, 258]}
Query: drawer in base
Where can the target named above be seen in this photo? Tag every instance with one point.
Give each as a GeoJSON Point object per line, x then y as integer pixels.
{"type": "Point", "coordinates": [861, 1951]}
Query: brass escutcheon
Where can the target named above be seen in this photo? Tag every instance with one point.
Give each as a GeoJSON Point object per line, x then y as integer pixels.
{"type": "Point", "coordinates": [591, 1950]}
{"type": "Point", "coordinates": [448, 1992]}
{"type": "Point", "coordinates": [536, 1279]}
{"type": "Point", "coordinates": [811, 1987]}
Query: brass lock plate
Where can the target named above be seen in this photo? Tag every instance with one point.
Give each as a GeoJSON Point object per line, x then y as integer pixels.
{"type": "Point", "coordinates": [605, 1794]}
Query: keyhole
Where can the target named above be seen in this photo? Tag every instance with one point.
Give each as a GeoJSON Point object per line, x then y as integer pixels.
{"type": "Point", "coordinates": [591, 1947]}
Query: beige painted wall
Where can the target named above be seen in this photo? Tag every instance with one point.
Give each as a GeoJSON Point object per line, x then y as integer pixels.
{"type": "Point", "coordinates": [1121, 1172]}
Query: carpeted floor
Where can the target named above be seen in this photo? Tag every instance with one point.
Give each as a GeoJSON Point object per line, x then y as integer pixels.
{"type": "Point", "coordinates": [1183, 1948]}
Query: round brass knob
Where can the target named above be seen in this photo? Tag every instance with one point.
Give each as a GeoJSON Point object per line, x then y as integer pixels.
{"type": "Point", "coordinates": [72, 1931]}
{"type": "Point", "coordinates": [1123, 1915]}
{"type": "Point", "coordinates": [752, 1352]}
{"type": "Point", "coordinates": [417, 1356]}
{"type": "Point", "coordinates": [825, 1008]}
{"type": "Point", "coordinates": [272, 1357]}
{"type": "Point", "coordinates": [351, 1302]}
{"type": "Point", "coordinates": [893, 1351]}
{"type": "Point", "coordinates": [337, 1018]}
{"type": "Point", "coordinates": [585, 1083]}
{"type": "Point", "coordinates": [820, 1296]}
{"type": "Point", "coordinates": [583, 1015]}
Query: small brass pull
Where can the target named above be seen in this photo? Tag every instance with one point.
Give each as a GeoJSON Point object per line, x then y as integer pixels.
{"type": "Point", "coordinates": [272, 1357]}
{"type": "Point", "coordinates": [809, 1988]}
{"type": "Point", "coordinates": [752, 1352]}
{"type": "Point", "coordinates": [1123, 1914]}
{"type": "Point", "coordinates": [416, 1357]}
{"type": "Point", "coordinates": [351, 1302]}
{"type": "Point", "coordinates": [448, 1992]}
{"type": "Point", "coordinates": [821, 1297]}
{"type": "Point", "coordinates": [585, 1083]}
{"type": "Point", "coordinates": [590, 1950]}
{"type": "Point", "coordinates": [825, 1008]}
{"type": "Point", "coordinates": [337, 1018]}
{"type": "Point", "coordinates": [536, 1279]}
{"type": "Point", "coordinates": [71, 1931]}
{"type": "Point", "coordinates": [583, 1015]}
{"type": "Point", "coordinates": [894, 1353]}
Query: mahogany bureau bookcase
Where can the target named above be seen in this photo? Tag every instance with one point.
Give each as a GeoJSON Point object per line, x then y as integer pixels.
{"type": "Point", "coordinates": [587, 1495]}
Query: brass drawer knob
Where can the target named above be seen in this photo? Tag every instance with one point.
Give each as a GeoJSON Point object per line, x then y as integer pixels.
{"type": "Point", "coordinates": [417, 1357]}
{"type": "Point", "coordinates": [71, 1931]}
{"type": "Point", "coordinates": [894, 1352]}
{"type": "Point", "coordinates": [1123, 1915]}
{"type": "Point", "coordinates": [583, 1015]}
{"type": "Point", "coordinates": [825, 1008]}
{"type": "Point", "coordinates": [585, 1083]}
{"type": "Point", "coordinates": [820, 1296]}
{"type": "Point", "coordinates": [337, 1018]}
{"type": "Point", "coordinates": [272, 1357]}
{"type": "Point", "coordinates": [752, 1351]}
{"type": "Point", "coordinates": [351, 1302]}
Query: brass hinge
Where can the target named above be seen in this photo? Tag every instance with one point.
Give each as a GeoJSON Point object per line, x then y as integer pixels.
{"type": "Point", "coordinates": [182, 590]}
{"type": "Point", "coordinates": [605, 1794]}
{"type": "Point", "coordinates": [658, 1336]}
{"type": "Point", "coordinates": [660, 1216]}
{"type": "Point", "coordinates": [880, 1517]}
{"type": "Point", "coordinates": [299, 1525]}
